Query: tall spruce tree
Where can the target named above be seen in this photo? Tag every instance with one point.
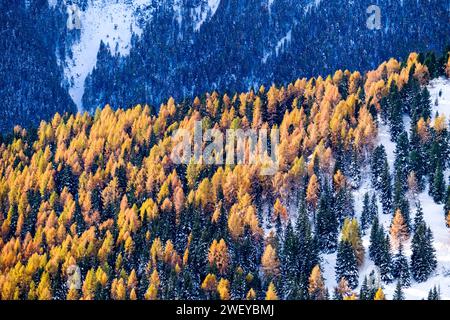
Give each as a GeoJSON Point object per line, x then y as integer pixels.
{"type": "Point", "coordinates": [380, 250]}
{"type": "Point", "coordinates": [373, 207]}
{"type": "Point", "coordinates": [346, 265]}
{"type": "Point", "coordinates": [447, 199]}
{"type": "Point", "coordinates": [385, 263]}
{"type": "Point", "coordinates": [343, 204]}
{"type": "Point", "coordinates": [398, 293]}
{"type": "Point", "coordinates": [401, 163]}
{"type": "Point", "coordinates": [306, 256]}
{"type": "Point", "coordinates": [417, 161]}
{"type": "Point", "coordinates": [394, 112]}
{"type": "Point", "coordinates": [354, 171]}
{"type": "Point", "coordinates": [366, 218]}
{"type": "Point", "coordinates": [438, 186]}
{"type": "Point", "coordinates": [375, 241]}
{"type": "Point", "coordinates": [423, 258]}
{"type": "Point", "coordinates": [400, 268]}
{"type": "Point", "coordinates": [386, 189]}
{"type": "Point", "coordinates": [434, 294]}
{"type": "Point", "coordinates": [376, 165]}
{"type": "Point", "coordinates": [369, 287]}
{"type": "Point", "coordinates": [327, 225]}
{"type": "Point", "coordinates": [287, 257]}
{"type": "Point", "coordinates": [418, 218]}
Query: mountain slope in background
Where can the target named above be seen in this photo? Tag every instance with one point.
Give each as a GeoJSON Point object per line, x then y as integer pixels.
{"type": "Point", "coordinates": [252, 42]}
{"type": "Point", "coordinates": [153, 49]}
{"type": "Point", "coordinates": [30, 79]}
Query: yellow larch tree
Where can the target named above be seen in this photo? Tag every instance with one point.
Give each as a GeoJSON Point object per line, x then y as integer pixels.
{"type": "Point", "coordinates": [271, 293]}
{"type": "Point", "coordinates": [379, 295]}
{"type": "Point", "coordinates": [223, 289]}
{"type": "Point", "coordinates": [218, 256]}
{"type": "Point", "coordinates": [312, 191]}
{"type": "Point", "coordinates": [270, 262]}
{"type": "Point", "coordinates": [399, 229]}
{"type": "Point", "coordinates": [316, 287]}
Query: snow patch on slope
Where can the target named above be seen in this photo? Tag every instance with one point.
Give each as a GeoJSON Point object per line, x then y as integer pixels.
{"type": "Point", "coordinates": [310, 5]}
{"type": "Point", "coordinates": [440, 95]}
{"type": "Point", "coordinates": [281, 45]}
{"type": "Point", "coordinates": [201, 14]}
{"type": "Point", "coordinates": [112, 23]}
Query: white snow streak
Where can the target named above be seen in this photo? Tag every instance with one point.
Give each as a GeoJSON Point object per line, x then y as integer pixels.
{"type": "Point", "coordinates": [114, 23]}
{"type": "Point", "coordinates": [200, 15]}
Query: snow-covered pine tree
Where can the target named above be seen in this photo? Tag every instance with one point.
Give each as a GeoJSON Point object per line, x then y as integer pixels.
{"type": "Point", "coordinates": [401, 163]}
{"type": "Point", "coordinates": [366, 218]}
{"type": "Point", "coordinates": [398, 293]}
{"type": "Point", "coordinates": [363, 291]}
{"type": "Point", "coordinates": [346, 265]}
{"type": "Point", "coordinates": [327, 225]}
{"type": "Point", "coordinates": [438, 186]}
{"type": "Point", "coordinates": [416, 157]}
{"type": "Point", "coordinates": [447, 200]}
{"type": "Point", "coordinates": [423, 258]}
{"type": "Point", "coordinates": [343, 204]}
{"type": "Point", "coordinates": [400, 268]}
{"type": "Point", "coordinates": [355, 170]}
{"type": "Point", "coordinates": [373, 207]}
{"type": "Point", "coordinates": [376, 165]}
{"type": "Point", "coordinates": [379, 250]}
{"type": "Point", "coordinates": [375, 241]}
{"type": "Point", "coordinates": [418, 218]}
{"type": "Point", "coordinates": [386, 189]}
{"type": "Point", "coordinates": [288, 261]}
{"type": "Point", "coordinates": [386, 260]}
{"type": "Point", "coordinates": [438, 152]}
{"type": "Point", "coordinates": [395, 112]}
{"type": "Point", "coordinates": [369, 287]}
{"type": "Point", "coordinates": [308, 252]}
{"type": "Point", "coordinates": [434, 294]}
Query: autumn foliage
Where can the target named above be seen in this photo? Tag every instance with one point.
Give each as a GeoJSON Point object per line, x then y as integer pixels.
{"type": "Point", "coordinates": [101, 192]}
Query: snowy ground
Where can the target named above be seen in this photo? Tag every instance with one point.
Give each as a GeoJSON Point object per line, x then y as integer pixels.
{"type": "Point", "coordinates": [433, 215]}
{"type": "Point", "coordinates": [200, 15]}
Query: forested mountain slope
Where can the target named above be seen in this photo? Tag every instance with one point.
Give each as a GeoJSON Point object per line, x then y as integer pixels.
{"type": "Point", "coordinates": [153, 49]}
{"type": "Point", "coordinates": [248, 43]}
{"type": "Point", "coordinates": [30, 78]}
{"type": "Point", "coordinates": [94, 207]}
